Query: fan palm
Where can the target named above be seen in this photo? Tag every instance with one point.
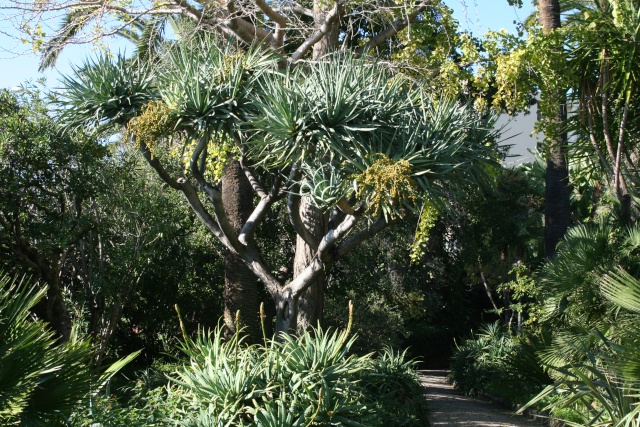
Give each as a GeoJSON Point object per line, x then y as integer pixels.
{"type": "Point", "coordinates": [594, 305]}
{"type": "Point", "coordinates": [41, 382]}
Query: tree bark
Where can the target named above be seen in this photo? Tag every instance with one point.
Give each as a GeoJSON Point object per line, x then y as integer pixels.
{"type": "Point", "coordinates": [240, 284]}
{"type": "Point", "coordinates": [557, 213]}
{"type": "Point", "coordinates": [52, 308]}
{"type": "Point", "coordinates": [310, 304]}
{"type": "Point", "coordinates": [329, 42]}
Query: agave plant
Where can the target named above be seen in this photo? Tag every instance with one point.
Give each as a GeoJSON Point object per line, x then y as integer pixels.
{"type": "Point", "coordinates": [110, 91]}
{"type": "Point", "coordinates": [309, 381]}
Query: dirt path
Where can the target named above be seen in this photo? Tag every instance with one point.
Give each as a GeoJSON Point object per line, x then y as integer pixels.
{"type": "Point", "coordinates": [451, 409]}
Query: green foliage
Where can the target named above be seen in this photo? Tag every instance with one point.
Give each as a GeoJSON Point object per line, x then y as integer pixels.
{"type": "Point", "coordinates": [592, 393]}
{"type": "Point", "coordinates": [150, 402]}
{"type": "Point", "coordinates": [570, 283]}
{"type": "Point", "coordinates": [525, 291]}
{"type": "Point", "coordinates": [495, 362]}
{"type": "Point", "coordinates": [387, 293]}
{"type": "Point", "coordinates": [592, 350]}
{"type": "Point", "coordinates": [208, 88]}
{"type": "Point", "coordinates": [309, 380]}
{"type": "Point", "coordinates": [342, 116]}
{"type": "Point", "coordinates": [108, 90]}
{"type": "Point", "coordinates": [481, 359]}
{"type": "Point", "coordinates": [41, 381]}
{"type": "Point", "coordinates": [43, 177]}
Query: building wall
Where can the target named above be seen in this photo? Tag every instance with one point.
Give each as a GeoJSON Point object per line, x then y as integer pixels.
{"type": "Point", "coordinates": [518, 132]}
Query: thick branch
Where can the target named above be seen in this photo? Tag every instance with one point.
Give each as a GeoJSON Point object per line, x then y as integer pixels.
{"type": "Point", "coordinates": [323, 258]}
{"type": "Point", "coordinates": [255, 184]}
{"type": "Point", "coordinates": [271, 14]}
{"type": "Point", "coordinates": [293, 206]}
{"type": "Point", "coordinates": [244, 30]}
{"type": "Point", "coordinates": [259, 213]}
{"type": "Point", "coordinates": [155, 164]}
{"type": "Point", "coordinates": [214, 196]}
{"type": "Point", "coordinates": [332, 16]}
{"type": "Point", "coordinates": [296, 8]}
{"type": "Point", "coordinates": [190, 194]}
{"type": "Point", "coordinates": [375, 228]}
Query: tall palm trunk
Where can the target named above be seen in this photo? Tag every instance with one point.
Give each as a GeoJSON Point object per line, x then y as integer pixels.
{"type": "Point", "coordinates": [240, 284]}
{"type": "Point", "coordinates": [557, 214]}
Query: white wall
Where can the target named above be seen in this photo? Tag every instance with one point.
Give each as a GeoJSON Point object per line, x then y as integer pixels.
{"type": "Point", "coordinates": [518, 132]}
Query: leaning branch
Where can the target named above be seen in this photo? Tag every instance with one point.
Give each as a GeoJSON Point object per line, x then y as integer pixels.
{"type": "Point", "coordinates": [375, 228]}
{"type": "Point", "coordinates": [331, 17]}
{"type": "Point", "coordinates": [394, 28]}
{"type": "Point", "coordinates": [259, 213]}
{"type": "Point", "coordinates": [324, 257]}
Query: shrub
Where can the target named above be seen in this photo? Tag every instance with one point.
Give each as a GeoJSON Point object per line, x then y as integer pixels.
{"type": "Point", "coordinates": [311, 380]}
{"type": "Point", "coordinates": [481, 359]}
{"type": "Point", "coordinates": [497, 363]}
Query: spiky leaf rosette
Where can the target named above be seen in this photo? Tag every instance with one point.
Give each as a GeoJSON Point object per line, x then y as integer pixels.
{"type": "Point", "coordinates": [345, 115]}
{"type": "Point", "coordinates": [208, 87]}
{"type": "Point", "coordinates": [106, 91]}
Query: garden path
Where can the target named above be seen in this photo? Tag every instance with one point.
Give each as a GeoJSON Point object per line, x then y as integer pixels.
{"type": "Point", "coordinates": [447, 408]}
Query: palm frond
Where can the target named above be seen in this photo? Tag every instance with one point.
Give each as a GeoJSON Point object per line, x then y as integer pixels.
{"type": "Point", "coordinates": [622, 288]}
{"type": "Point", "coordinates": [72, 24]}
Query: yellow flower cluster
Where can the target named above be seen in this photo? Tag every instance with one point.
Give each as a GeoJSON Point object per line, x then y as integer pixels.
{"type": "Point", "coordinates": [220, 151]}
{"type": "Point", "coordinates": [152, 124]}
{"type": "Point", "coordinates": [428, 218]}
{"type": "Point", "coordinates": [386, 184]}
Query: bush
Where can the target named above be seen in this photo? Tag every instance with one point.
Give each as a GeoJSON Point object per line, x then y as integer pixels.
{"type": "Point", "coordinates": [311, 380]}
{"type": "Point", "coordinates": [481, 359]}
{"type": "Point", "coordinates": [495, 362]}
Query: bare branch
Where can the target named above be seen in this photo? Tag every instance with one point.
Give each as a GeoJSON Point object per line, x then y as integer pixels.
{"type": "Point", "coordinates": [271, 14]}
{"type": "Point", "coordinates": [243, 29]}
{"type": "Point", "coordinates": [155, 164]}
{"type": "Point", "coordinates": [255, 184]}
{"type": "Point", "coordinates": [394, 28]}
{"type": "Point", "coordinates": [259, 213]}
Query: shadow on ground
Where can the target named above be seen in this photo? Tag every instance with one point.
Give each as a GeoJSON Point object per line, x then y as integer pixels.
{"type": "Point", "coordinates": [447, 408]}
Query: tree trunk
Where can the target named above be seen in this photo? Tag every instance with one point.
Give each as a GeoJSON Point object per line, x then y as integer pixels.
{"type": "Point", "coordinates": [557, 213]}
{"type": "Point", "coordinates": [309, 306]}
{"type": "Point", "coordinates": [286, 314]}
{"type": "Point", "coordinates": [310, 303]}
{"type": "Point", "coordinates": [52, 308]}
{"type": "Point", "coordinates": [329, 43]}
{"type": "Point", "coordinates": [240, 284]}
